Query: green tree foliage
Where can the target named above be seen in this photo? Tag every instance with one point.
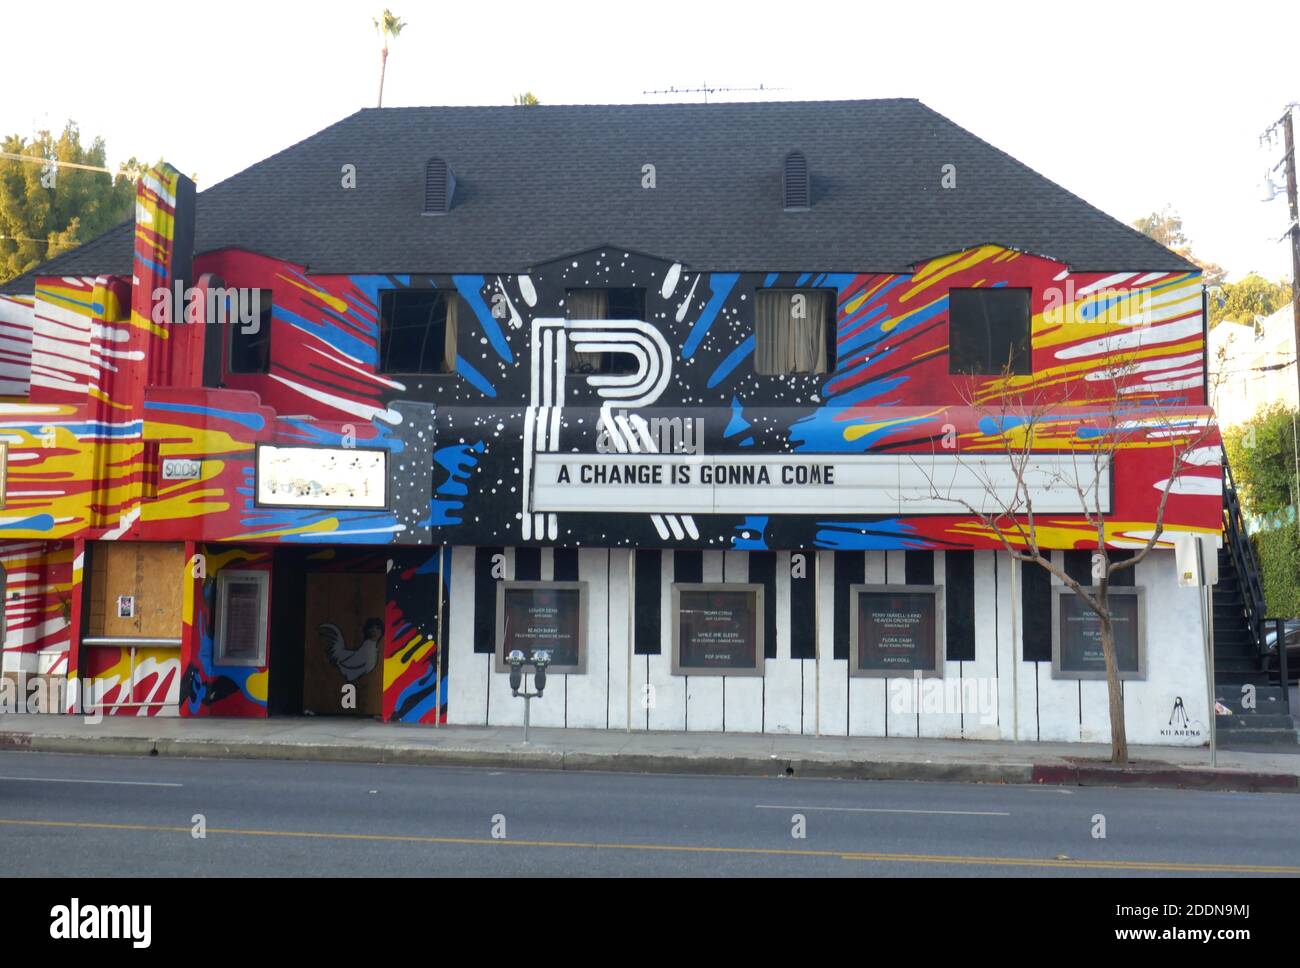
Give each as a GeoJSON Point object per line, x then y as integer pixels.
{"type": "Point", "coordinates": [1166, 227]}
{"type": "Point", "coordinates": [1246, 300]}
{"type": "Point", "coordinates": [1278, 550]}
{"type": "Point", "coordinates": [46, 208]}
{"type": "Point", "coordinates": [1262, 454]}
{"type": "Point", "coordinates": [526, 100]}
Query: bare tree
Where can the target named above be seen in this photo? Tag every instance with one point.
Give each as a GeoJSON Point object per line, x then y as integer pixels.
{"type": "Point", "coordinates": [1091, 431]}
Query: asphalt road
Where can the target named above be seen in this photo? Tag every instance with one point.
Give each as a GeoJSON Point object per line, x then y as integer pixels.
{"type": "Point", "coordinates": [97, 816]}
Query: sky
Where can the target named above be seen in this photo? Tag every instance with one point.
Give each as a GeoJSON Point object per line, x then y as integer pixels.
{"type": "Point", "coordinates": [1131, 105]}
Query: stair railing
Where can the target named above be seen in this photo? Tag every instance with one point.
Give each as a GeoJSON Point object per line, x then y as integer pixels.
{"type": "Point", "coordinates": [1284, 674]}
{"type": "Point", "coordinates": [1244, 561]}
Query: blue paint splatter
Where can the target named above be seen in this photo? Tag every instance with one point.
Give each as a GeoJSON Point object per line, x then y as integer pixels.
{"type": "Point", "coordinates": [995, 426]}
{"type": "Point", "coordinates": [737, 424]}
{"type": "Point", "coordinates": [333, 336]}
{"type": "Point", "coordinates": [887, 535]}
{"type": "Point", "coordinates": [37, 522]}
{"type": "Point", "coordinates": [470, 289]}
{"type": "Point", "coordinates": [457, 461]}
{"type": "Point", "coordinates": [732, 361]}
{"type": "Point", "coordinates": [464, 368]}
{"type": "Point", "coordinates": [750, 535]}
{"type": "Point", "coordinates": [721, 283]}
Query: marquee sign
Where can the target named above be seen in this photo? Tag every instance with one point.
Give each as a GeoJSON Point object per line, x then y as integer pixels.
{"type": "Point", "coordinates": [321, 477]}
{"type": "Point", "coordinates": [1076, 634]}
{"type": "Point", "coordinates": [802, 484]}
{"type": "Point", "coordinates": [895, 630]}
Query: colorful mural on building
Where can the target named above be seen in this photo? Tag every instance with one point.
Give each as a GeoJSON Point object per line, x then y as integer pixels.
{"type": "Point", "coordinates": [120, 384]}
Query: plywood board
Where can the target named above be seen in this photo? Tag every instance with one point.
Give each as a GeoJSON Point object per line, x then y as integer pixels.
{"type": "Point", "coordinates": [343, 638]}
{"type": "Point", "coordinates": [149, 573]}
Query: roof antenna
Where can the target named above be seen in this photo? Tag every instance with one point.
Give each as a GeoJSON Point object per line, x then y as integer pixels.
{"type": "Point", "coordinates": [706, 90]}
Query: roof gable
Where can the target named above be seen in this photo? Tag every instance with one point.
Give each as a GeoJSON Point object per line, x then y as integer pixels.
{"type": "Point", "coordinates": [535, 183]}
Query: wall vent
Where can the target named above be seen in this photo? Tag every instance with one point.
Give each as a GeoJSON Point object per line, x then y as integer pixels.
{"type": "Point", "coordinates": [439, 186]}
{"type": "Point", "coordinates": [796, 196]}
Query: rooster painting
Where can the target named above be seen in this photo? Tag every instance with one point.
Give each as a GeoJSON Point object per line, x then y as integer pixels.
{"type": "Point", "coordinates": [352, 663]}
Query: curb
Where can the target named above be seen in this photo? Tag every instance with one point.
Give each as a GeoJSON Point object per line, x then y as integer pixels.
{"type": "Point", "coordinates": [543, 758]}
{"type": "Point", "coordinates": [1172, 778]}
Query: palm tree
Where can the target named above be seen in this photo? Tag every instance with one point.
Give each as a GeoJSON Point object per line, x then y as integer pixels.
{"type": "Point", "coordinates": [387, 26]}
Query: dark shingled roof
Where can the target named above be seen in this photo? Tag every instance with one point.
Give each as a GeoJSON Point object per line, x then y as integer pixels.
{"type": "Point", "coordinates": [536, 183]}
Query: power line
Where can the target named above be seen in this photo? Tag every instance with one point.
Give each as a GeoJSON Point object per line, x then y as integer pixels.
{"type": "Point", "coordinates": [23, 238]}
{"type": "Point", "coordinates": [706, 90]}
{"type": "Point", "coordinates": [37, 160]}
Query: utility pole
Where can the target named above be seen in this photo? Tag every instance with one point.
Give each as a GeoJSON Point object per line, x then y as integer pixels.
{"type": "Point", "coordinates": [1288, 141]}
{"type": "Point", "coordinates": [1288, 132]}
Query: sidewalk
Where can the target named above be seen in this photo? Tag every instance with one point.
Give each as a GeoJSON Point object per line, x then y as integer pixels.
{"type": "Point", "coordinates": [367, 741]}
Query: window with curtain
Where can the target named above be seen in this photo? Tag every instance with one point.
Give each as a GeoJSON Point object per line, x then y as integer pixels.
{"type": "Point", "coordinates": [417, 331]}
{"type": "Point", "coordinates": [988, 331]}
{"type": "Point", "coordinates": [602, 304]}
{"type": "Point", "coordinates": [793, 331]}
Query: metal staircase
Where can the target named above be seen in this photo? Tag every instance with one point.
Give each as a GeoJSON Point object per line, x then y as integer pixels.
{"type": "Point", "coordinates": [1242, 680]}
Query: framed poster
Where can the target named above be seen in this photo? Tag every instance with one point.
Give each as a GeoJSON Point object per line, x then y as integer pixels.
{"type": "Point", "coordinates": [534, 615]}
{"type": "Point", "coordinates": [1076, 635]}
{"type": "Point", "coordinates": [717, 629]}
{"type": "Point", "coordinates": [896, 630]}
{"type": "Point", "coordinates": [242, 600]}
{"type": "Point", "coordinates": [321, 477]}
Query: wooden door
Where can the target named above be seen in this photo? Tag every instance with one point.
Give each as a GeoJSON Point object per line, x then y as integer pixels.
{"type": "Point", "coordinates": [343, 664]}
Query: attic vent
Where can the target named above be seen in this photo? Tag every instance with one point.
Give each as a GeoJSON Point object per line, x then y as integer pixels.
{"type": "Point", "coordinates": [796, 197]}
{"type": "Point", "coordinates": [439, 186]}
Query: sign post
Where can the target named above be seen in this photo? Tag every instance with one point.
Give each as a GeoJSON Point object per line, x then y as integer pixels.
{"type": "Point", "coordinates": [1196, 569]}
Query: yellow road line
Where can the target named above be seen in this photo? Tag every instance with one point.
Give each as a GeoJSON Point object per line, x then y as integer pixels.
{"type": "Point", "coordinates": [683, 849]}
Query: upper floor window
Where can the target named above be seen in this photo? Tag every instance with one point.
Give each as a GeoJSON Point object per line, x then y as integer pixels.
{"type": "Point", "coordinates": [794, 331]}
{"type": "Point", "coordinates": [417, 331]}
{"type": "Point", "coordinates": [602, 304]}
{"type": "Point", "coordinates": [988, 331]}
{"type": "Point", "coordinates": [250, 342]}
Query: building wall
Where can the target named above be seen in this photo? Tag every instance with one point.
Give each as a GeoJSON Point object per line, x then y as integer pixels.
{"type": "Point", "coordinates": [115, 387]}
{"type": "Point", "coordinates": [996, 695]}
{"type": "Point", "coordinates": [1253, 367]}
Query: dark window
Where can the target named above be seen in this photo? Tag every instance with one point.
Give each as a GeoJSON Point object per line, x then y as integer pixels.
{"type": "Point", "coordinates": [794, 331]}
{"type": "Point", "coordinates": [602, 304]}
{"type": "Point", "coordinates": [988, 331]}
{"type": "Point", "coordinates": [250, 344]}
{"type": "Point", "coordinates": [417, 331]}
{"type": "Point", "coordinates": [797, 197]}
